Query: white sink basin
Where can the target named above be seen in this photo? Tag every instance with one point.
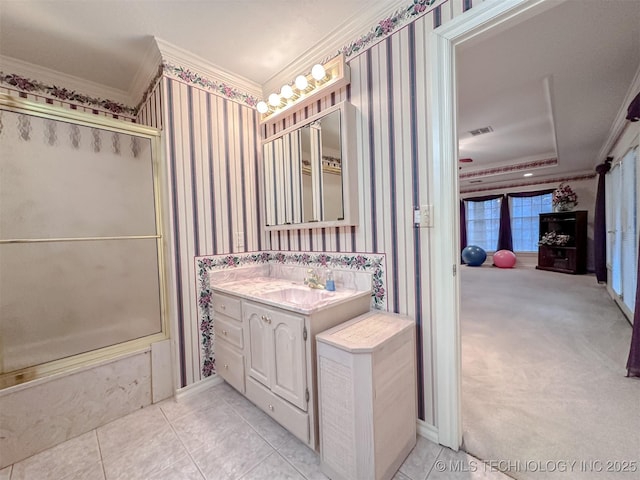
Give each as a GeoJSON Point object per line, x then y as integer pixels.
{"type": "Point", "coordinates": [298, 296]}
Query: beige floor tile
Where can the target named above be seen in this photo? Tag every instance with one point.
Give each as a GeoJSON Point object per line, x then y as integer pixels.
{"type": "Point", "coordinates": [209, 427]}
{"type": "Point", "coordinates": [65, 460]}
{"type": "Point", "coordinates": [140, 447]}
{"type": "Point", "coordinates": [302, 458]}
{"type": "Point", "coordinates": [262, 423]}
{"type": "Point", "coordinates": [5, 473]}
{"type": "Point", "coordinates": [233, 456]}
{"type": "Point", "coordinates": [184, 469]}
{"type": "Point", "coordinates": [421, 459]}
{"type": "Point", "coordinates": [274, 466]}
{"type": "Point", "coordinates": [118, 435]}
{"type": "Point", "coordinates": [174, 409]}
{"type": "Point", "coordinates": [400, 476]}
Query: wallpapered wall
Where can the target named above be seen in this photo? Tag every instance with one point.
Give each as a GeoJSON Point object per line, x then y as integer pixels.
{"type": "Point", "coordinates": [213, 153]}
{"type": "Point", "coordinates": [212, 161]}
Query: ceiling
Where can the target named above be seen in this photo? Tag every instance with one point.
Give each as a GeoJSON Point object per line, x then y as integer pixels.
{"type": "Point", "coordinates": [104, 40]}
{"type": "Point", "coordinates": [550, 87]}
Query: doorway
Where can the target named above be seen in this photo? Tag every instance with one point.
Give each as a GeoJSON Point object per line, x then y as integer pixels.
{"type": "Point", "coordinates": [443, 142]}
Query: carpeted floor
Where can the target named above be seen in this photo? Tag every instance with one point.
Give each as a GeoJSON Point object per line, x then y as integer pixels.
{"type": "Point", "coordinates": [544, 392]}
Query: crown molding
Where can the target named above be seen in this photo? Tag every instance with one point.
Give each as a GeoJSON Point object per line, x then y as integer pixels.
{"type": "Point", "coordinates": [584, 175]}
{"type": "Point", "coordinates": [620, 121]}
{"type": "Point", "coordinates": [185, 59]}
{"type": "Point", "coordinates": [146, 73]}
{"type": "Point", "coordinates": [331, 44]}
{"type": "Point", "coordinates": [10, 65]}
{"type": "Point", "coordinates": [488, 171]}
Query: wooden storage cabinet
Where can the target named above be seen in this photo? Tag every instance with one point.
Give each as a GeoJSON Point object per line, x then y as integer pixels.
{"type": "Point", "coordinates": [568, 258]}
{"type": "Point", "coordinates": [229, 340]}
{"type": "Point", "coordinates": [367, 396]}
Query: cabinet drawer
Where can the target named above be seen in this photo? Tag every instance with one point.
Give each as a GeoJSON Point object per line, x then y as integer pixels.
{"type": "Point", "coordinates": [294, 420]}
{"type": "Point", "coordinates": [228, 330]}
{"type": "Point", "coordinates": [230, 365]}
{"type": "Point", "coordinates": [228, 306]}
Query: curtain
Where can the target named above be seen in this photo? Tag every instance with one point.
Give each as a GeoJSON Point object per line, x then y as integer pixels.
{"type": "Point", "coordinates": [633, 112]}
{"type": "Point", "coordinates": [505, 240]}
{"type": "Point", "coordinates": [633, 363]}
{"type": "Point", "coordinates": [599, 224]}
{"type": "Point", "coordinates": [463, 226]}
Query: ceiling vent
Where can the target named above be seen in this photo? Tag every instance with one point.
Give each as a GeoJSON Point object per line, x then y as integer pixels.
{"type": "Point", "coordinates": [481, 131]}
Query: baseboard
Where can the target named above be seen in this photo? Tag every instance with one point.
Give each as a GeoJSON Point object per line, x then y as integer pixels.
{"type": "Point", "coordinates": [198, 386]}
{"type": "Point", "coordinates": [427, 431]}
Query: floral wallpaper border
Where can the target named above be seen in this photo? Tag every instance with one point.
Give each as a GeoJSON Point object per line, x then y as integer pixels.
{"type": "Point", "coordinates": [386, 26]}
{"type": "Point", "coordinates": [61, 93]}
{"type": "Point", "coordinates": [365, 262]}
{"type": "Point", "coordinates": [193, 78]}
{"type": "Point", "coordinates": [511, 168]}
{"type": "Point", "coordinates": [555, 180]}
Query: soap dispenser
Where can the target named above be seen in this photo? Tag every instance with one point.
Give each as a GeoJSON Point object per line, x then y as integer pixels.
{"type": "Point", "coordinates": [329, 283]}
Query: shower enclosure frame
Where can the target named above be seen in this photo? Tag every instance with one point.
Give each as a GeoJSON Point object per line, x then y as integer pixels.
{"type": "Point", "coordinates": [103, 123]}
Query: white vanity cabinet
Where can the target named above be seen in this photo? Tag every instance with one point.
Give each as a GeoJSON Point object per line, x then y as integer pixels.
{"type": "Point", "coordinates": [229, 340]}
{"type": "Point", "coordinates": [268, 352]}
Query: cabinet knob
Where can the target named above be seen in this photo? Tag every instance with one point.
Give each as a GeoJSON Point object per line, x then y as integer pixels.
{"type": "Point", "coordinates": [223, 306]}
{"type": "Point", "coordinates": [266, 318]}
{"type": "Point", "coordinates": [224, 332]}
{"type": "Point", "coordinates": [226, 366]}
{"type": "Point", "coordinates": [271, 407]}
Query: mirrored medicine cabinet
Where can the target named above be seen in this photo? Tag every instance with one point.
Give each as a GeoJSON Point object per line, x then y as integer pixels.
{"type": "Point", "coordinates": [309, 172]}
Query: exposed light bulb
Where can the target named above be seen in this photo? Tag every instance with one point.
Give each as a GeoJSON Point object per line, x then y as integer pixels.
{"type": "Point", "coordinates": [301, 82]}
{"type": "Point", "coordinates": [262, 107]}
{"type": "Point", "coordinates": [286, 92]}
{"type": "Point", "coordinates": [318, 72]}
{"type": "Point", "coordinates": [274, 99]}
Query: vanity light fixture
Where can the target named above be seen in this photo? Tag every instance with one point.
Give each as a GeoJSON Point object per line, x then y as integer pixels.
{"type": "Point", "coordinates": [318, 72]}
{"type": "Point", "coordinates": [333, 75]}
{"type": "Point", "coordinates": [301, 83]}
{"type": "Point", "coordinates": [274, 100]}
{"type": "Point", "coordinates": [528, 175]}
{"type": "Point", "coordinates": [286, 92]}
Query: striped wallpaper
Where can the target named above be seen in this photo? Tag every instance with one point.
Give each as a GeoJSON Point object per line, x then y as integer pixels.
{"type": "Point", "coordinates": [212, 154]}
{"type": "Point", "coordinates": [212, 157]}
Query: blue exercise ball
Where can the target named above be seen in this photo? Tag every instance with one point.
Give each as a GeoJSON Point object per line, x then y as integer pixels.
{"type": "Point", "coordinates": [473, 255]}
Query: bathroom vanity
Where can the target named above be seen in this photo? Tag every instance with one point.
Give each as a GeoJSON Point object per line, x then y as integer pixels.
{"type": "Point", "coordinates": [265, 330]}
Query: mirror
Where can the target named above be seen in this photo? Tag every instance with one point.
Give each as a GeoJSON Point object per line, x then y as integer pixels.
{"type": "Point", "coordinates": [308, 173]}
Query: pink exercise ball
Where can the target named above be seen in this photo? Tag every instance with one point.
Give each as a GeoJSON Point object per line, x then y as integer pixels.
{"type": "Point", "coordinates": [504, 259]}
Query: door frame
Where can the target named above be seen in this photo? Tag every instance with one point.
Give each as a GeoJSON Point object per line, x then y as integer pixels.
{"type": "Point", "coordinates": [494, 15]}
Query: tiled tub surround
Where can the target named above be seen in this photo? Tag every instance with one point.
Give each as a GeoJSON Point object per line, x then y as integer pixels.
{"type": "Point", "coordinates": [37, 415]}
{"type": "Point", "coordinates": [353, 271]}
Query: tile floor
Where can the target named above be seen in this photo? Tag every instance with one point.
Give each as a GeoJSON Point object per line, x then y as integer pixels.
{"type": "Point", "coordinates": [213, 435]}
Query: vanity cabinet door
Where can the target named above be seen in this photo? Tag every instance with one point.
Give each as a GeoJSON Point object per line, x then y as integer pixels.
{"type": "Point", "coordinates": [277, 352]}
{"type": "Point", "coordinates": [288, 367]}
{"type": "Point", "coordinates": [258, 355]}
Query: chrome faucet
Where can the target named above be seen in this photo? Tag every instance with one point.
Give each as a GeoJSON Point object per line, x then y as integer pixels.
{"type": "Point", "coordinates": [313, 281]}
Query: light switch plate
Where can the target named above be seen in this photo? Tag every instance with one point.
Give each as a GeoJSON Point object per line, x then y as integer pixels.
{"type": "Point", "coordinates": [426, 216]}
